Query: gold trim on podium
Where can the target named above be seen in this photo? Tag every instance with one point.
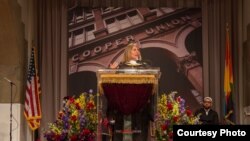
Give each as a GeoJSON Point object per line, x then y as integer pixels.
{"type": "Point", "coordinates": [128, 79]}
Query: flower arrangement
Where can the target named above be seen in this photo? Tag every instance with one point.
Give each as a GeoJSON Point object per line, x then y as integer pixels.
{"type": "Point", "coordinates": [77, 121]}
{"type": "Point", "coordinates": [171, 111]}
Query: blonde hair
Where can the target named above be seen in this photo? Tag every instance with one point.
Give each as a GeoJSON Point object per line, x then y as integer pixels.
{"type": "Point", "coordinates": [127, 52]}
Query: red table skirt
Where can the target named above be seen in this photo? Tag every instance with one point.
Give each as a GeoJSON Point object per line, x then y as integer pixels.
{"type": "Point", "coordinates": [127, 98]}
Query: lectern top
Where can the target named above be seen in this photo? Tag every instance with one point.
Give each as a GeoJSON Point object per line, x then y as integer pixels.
{"type": "Point", "coordinates": [155, 71]}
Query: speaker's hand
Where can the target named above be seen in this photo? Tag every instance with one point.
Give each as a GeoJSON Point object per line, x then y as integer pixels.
{"type": "Point", "coordinates": [113, 65]}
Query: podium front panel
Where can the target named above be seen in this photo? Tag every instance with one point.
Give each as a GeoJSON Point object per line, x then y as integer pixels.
{"type": "Point", "coordinates": [126, 92]}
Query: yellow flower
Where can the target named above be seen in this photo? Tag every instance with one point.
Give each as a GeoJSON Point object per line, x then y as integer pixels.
{"type": "Point", "coordinates": [169, 113]}
{"type": "Point", "coordinates": [82, 100]}
{"type": "Point", "coordinates": [75, 113]}
{"type": "Point", "coordinates": [73, 119]}
{"type": "Point", "coordinates": [175, 108]}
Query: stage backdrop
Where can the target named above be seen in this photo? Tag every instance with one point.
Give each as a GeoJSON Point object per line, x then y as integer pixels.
{"type": "Point", "coordinates": [169, 38]}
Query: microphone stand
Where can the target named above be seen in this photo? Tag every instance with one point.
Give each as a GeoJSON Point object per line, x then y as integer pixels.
{"type": "Point", "coordinates": [11, 85]}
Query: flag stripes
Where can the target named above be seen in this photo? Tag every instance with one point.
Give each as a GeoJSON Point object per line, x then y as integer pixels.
{"type": "Point", "coordinates": [32, 108]}
{"type": "Point", "coordinates": [228, 81]}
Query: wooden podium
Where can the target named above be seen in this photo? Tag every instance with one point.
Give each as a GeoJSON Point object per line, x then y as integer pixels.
{"type": "Point", "coordinates": [124, 92]}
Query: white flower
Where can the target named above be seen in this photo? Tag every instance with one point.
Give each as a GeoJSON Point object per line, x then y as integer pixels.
{"type": "Point", "coordinates": [132, 62]}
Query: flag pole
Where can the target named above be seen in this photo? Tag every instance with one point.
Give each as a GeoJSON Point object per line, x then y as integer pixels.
{"type": "Point", "coordinates": [32, 134]}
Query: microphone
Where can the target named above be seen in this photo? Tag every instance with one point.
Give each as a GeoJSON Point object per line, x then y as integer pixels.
{"type": "Point", "coordinates": [9, 81]}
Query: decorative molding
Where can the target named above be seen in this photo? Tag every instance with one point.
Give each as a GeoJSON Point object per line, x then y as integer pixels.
{"type": "Point", "coordinates": [186, 63]}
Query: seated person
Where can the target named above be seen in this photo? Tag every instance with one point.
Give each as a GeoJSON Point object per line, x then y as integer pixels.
{"type": "Point", "coordinates": [206, 114]}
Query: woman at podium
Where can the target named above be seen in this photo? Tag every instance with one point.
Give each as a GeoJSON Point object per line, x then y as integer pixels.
{"type": "Point", "coordinates": [133, 127]}
{"type": "Point", "coordinates": [131, 59]}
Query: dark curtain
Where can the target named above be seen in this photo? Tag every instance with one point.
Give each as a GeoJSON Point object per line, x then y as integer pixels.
{"type": "Point", "coordinates": [216, 16]}
{"type": "Point", "coordinates": [52, 44]}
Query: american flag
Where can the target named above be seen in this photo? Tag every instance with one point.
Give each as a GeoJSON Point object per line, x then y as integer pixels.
{"type": "Point", "coordinates": [32, 109]}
